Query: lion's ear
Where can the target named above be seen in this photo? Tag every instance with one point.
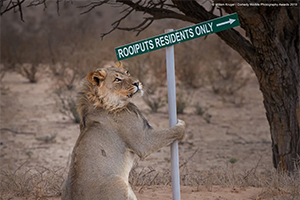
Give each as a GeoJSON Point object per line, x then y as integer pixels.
{"type": "Point", "coordinates": [119, 65]}
{"type": "Point", "coordinates": [96, 77]}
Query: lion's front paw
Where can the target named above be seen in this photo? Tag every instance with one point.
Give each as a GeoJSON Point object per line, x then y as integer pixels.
{"type": "Point", "coordinates": [181, 126]}
{"type": "Point", "coordinates": [180, 123]}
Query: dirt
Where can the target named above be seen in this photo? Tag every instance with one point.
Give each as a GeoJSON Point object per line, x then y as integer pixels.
{"type": "Point", "coordinates": [235, 136]}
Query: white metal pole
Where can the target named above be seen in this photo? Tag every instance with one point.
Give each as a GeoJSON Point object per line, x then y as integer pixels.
{"type": "Point", "coordinates": [170, 61]}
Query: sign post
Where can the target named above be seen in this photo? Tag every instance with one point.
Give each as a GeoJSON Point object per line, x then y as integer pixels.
{"type": "Point", "coordinates": [170, 63]}
{"type": "Point", "coordinates": [177, 36]}
{"type": "Point", "coordinates": [168, 40]}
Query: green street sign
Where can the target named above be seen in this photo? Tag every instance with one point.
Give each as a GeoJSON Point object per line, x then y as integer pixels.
{"type": "Point", "coordinates": [178, 36]}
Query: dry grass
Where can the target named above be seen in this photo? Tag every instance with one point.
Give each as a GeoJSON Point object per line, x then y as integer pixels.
{"type": "Point", "coordinates": [31, 182]}
{"type": "Point", "coordinates": [41, 182]}
{"type": "Point", "coordinates": [275, 185]}
{"type": "Point", "coordinates": [281, 186]}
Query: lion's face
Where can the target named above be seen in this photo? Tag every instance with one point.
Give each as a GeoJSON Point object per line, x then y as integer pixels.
{"type": "Point", "coordinates": [113, 87]}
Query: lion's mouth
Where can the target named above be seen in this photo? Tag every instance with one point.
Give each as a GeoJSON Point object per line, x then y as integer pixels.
{"type": "Point", "coordinates": [132, 94]}
{"type": "Point", "coordinates": [137, 89]}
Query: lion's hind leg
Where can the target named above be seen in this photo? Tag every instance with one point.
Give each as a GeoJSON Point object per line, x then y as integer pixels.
{"type": "Point", "coordinates": [117, 189]}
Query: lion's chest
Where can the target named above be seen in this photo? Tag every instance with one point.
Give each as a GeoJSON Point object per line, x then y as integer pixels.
{"type": "Point", "coordinates": [129, 161]}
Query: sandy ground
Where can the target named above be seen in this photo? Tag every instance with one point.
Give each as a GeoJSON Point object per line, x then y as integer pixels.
{"type": "Point", "coordinates": [30, 114]}
{"type": "Point", "coordinates": [192, 193]}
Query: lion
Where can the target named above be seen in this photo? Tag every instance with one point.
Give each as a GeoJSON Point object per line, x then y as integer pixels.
{"type": "Point", "coordinates": [112, 132]}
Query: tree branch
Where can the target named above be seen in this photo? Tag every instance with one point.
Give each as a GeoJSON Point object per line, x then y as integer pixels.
{"type": "Point", "coordinates": [92, 5]}
{"type": "Point", "coordinates": [118, 22]}
{"type": "Point", "coordinates": [20, 9]}
{"type": "Point", "coordinates": [231, 37]}
{"type": "Point", "coordinates": [12, 5]}
{"type": "Point", "coordinates": [156, 12]}
{"type": "Point", "coordinates": [17, 5]}
{"type": "Point", "coordinates": [189, 11]}
{"type": "Point", "coordinates": [140, 27]}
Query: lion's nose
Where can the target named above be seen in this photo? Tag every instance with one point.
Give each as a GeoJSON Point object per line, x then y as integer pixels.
{"type": "Point", "coordinates": [136, 84]}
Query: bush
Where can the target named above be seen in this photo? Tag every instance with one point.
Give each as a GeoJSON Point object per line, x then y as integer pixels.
{"type": "Point", "coordinates": [68, 105]}
{"type": "Point", "coordinates": [223, 69]}
{"type": "Point", "coordinates": [155, 102]}
{"type": "Point", "coordinates": [31, 183]}
{"type": "Point", "coordinates": [189, 64]}
{"type": "Point", "coordinates": [181, 103]}
{"type": "Point", "coordinates": [29, 71]}
{"type": "Point", "coordinates": [202, 112]}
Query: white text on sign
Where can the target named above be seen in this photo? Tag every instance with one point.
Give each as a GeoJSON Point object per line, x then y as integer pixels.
{"type": "Point", "coordinates": [178, 36]}
{"type": "Point", "coordinates": [166, 40]}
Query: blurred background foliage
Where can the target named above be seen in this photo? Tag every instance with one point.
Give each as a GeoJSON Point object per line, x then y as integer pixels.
{"type": "Point", "coordinates": [68, 44]}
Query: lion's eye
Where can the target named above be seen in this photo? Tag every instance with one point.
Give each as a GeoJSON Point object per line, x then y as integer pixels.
{"type": "Point", "coordinates": [127, 73]}
{"type": "Point", "coordinates": [117, 80]}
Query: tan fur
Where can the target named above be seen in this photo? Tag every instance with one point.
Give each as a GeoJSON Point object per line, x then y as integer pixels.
{"type": "Point", "coordinates": [112, 132]}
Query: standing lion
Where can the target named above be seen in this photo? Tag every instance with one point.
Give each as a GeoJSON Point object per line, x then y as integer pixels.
{"type": "Point", "coordinates": [112, 131]}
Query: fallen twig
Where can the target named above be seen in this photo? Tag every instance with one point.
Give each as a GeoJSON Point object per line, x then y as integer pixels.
{"type": "Point", "coordinates": [17, 132]}
{"type": "Point", "coordinates": [183, 164]}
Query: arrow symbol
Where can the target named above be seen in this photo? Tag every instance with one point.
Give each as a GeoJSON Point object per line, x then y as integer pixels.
{"type": "Point", "coordinates": [230, 21]}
